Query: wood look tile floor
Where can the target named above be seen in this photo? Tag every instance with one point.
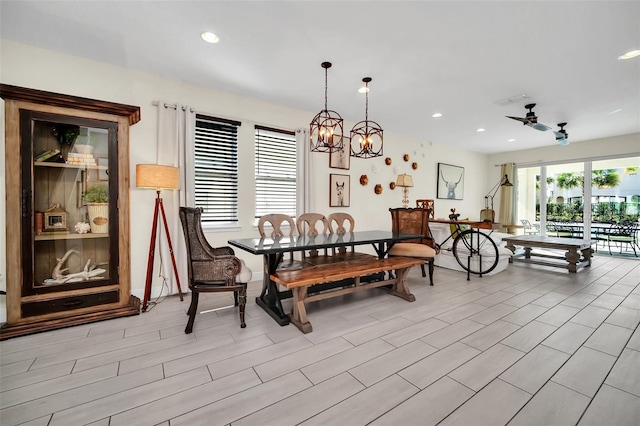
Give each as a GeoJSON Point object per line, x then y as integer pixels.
{"type": "Point", "coordinates": [528, 346]}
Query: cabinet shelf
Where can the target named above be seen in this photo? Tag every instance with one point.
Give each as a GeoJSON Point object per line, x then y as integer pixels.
{"type": "Point", "coordinates": [69, 166]}
{"type": "Point", "coordinates": [69, 237]}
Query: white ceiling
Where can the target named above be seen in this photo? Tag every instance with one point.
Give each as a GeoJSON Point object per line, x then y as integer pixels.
{"type": "Point", "coordinates": [453, 57]}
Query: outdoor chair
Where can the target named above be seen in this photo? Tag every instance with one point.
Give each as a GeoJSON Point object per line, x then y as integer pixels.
{"type": "Point", "coordinates": [211, 269]}
{"type": "Point", "coordinates": [529, 228]}
{"type": "Point", "coordinates": [624, 233]}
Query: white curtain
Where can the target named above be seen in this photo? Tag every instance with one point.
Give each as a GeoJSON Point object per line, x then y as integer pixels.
{"type": "Point", "coordinates": [507, 196]}
{"type": "Point", "coordinates": [305, 172]}
{"type": "Point", "coordinates": [176, 130]}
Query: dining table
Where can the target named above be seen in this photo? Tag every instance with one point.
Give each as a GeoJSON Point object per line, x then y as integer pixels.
{"type": "Point", "coordinates": [273, 250]}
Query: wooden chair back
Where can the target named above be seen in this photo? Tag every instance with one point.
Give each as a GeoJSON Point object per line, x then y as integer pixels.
{"type": "Point", "coordinates": [427, 204]}
{"type": "Point", "coordinates": [312, 224]}
{"type": "Point", "coordinates": [276, 220]}
{"type": "Point", "coordinates": [337, 222]}
{"type": "Point", "coordinates": [412, 221]}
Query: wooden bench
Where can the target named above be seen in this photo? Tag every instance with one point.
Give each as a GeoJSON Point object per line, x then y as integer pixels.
{"type": "Point", "coordinates": [299, 280]}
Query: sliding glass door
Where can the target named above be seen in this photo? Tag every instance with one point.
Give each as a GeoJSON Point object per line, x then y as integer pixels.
{"type": "Point", "coordinates": [559, 199]}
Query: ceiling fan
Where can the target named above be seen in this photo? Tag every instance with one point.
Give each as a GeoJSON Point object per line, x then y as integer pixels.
{"type": "Point", "coordinates": [531, 119]}
{"type": "Point", "coordinates": [562, 137]}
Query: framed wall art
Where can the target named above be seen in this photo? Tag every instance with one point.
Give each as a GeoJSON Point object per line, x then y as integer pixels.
{"type": "Point", "coordinates": [339, 190]}
{"type": "Point", "coordinates": [341, 159]}
{"type": "Point", "coordinates": [450, 182]}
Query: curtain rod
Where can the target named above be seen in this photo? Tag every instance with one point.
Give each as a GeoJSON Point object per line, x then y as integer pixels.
{"type": "Point", "coordinates": [172, 106]}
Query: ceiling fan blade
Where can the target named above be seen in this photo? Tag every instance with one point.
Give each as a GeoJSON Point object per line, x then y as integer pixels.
{"type": "Point", "coordinates": [522, 120]}
{"type": "Point", "coordinates": [540, 126]}
{"type": "Point", "coordinates": [559, 135]}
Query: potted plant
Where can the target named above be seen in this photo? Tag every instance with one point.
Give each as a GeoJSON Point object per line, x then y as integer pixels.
{"type": "Point", "coordinates": [97, 199]}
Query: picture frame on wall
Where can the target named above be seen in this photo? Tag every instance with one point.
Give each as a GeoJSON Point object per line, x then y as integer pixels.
{"type": "Point", "coordinates": [450, 182]}
{"type": "Point", "coordinates": [339, 190]}
{"type": "Point", "coordinates": [341, 159]}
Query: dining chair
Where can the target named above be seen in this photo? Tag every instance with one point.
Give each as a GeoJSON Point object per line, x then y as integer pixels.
{"type": "Point", "coordinates": [309, 224]}
{"type": "Point", "coordinates": [276, 221]}
{"type": "Point", "coordinates": [414, 221]}
{"type": "Point", "coordinates": [211, 269]}
{"type": "Point", "coordinates": [338, 223]}
{"type": "Point", "coordinates": [427, 204]}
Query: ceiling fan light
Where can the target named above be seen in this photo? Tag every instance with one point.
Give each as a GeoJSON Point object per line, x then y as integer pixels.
{"type": "Point", "coordinates": [563, 142]}
{"type": "Point", "coordinates": [210, 37]}
{"type": "Point", "coordinates": [629, 55]}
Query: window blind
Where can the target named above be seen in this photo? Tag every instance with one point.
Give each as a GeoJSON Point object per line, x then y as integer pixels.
{"type": "Point", "coordinates": [275, 166]}
{"type": "Point", "coordinates": [216, 168]}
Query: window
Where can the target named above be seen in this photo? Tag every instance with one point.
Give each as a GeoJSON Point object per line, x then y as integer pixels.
{"type": "Point", "coordinates": [216, 169]}
{"type": "Point", "coordinates": [275, 171]}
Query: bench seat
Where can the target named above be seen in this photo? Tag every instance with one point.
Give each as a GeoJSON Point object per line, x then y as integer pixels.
{"type": "Point", "coordinates": [340, 268]}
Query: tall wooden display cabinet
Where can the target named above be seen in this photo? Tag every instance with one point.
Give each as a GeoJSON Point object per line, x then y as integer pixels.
{"type": "Point", "coordinates": [67, 210]}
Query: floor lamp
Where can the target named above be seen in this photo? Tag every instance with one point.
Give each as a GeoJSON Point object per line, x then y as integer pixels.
{"type": "Point", "coordinates": [488, 214]}
{"type": "Point", "coordinates": [155, 176]}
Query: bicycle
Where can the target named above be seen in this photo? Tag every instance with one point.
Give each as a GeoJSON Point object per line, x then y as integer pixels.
{"type": "Point", "coordinates": [474, 250]}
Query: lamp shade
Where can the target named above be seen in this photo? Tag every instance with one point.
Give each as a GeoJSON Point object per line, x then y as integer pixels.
{"type": "Point", "coordinates": [404, 180]}
{"type": "Point", "coordinates": [155, 176]}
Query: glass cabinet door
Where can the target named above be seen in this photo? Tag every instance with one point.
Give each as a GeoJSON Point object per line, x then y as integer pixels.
{"type": "Point", "coordinates": [69, 217]}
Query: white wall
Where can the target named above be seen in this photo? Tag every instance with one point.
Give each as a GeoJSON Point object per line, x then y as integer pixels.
{"type": "Point", "coordinates": [27, 66]}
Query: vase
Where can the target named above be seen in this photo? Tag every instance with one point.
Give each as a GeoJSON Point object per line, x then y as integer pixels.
{"type": "Point", "coordinates": [98, 217]}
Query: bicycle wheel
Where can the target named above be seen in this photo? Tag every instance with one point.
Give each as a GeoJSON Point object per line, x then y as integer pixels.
{"type": "Point", "coordinates": [475, 252]}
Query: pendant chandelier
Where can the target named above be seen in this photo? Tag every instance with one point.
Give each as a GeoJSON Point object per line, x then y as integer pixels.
{"type": "Point", "coordinates": [326, 133]}
{"type": "Point", "coordinates": [366, 136]}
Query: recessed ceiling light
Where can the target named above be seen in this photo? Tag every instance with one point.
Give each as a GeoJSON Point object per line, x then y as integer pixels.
{"type": "Point", "coordinates": [480, 130]}
{"type": "Point", "coordinates": [210, 37]}
{"type": "Point", "coordinates": [615, 111]}
{"type": "Point", "coordinates": [436, 115]}
{"type": "Point", "coordinates": [363, 89]}
{"type": "Point", "coordinates": [511, 140]}
{"type": "Point", "coordinates": [629, 55]}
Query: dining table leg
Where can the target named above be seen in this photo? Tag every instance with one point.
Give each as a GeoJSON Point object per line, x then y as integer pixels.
{"type": "Point", "coordinates": [269, 298]}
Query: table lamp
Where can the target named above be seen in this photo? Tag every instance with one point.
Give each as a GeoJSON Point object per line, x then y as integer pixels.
{"type": "Point", "coordinates": [157, 177]}
{"type": "Point", "coordinates": [405, 182]}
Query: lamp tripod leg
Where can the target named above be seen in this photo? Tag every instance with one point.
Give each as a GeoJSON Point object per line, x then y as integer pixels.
{"type": "Point", "coordinates": [173, 259]}
{"type": "Point", "coordinates": [152, 249]}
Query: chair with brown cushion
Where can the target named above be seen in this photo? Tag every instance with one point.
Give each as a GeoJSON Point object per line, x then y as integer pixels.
{"type": "Point", "coordinates": [211, 269]}
{"type": "Point", "coordinates": [427, 204]}
{"type": "Point", "coordinates": [312, 224]}
{"type": "Point", "coordinates": [414, 221]}
{"type": "Point", "coordinates": [276, 220]}
{"type": "Point", "coordinates": [338, 223]}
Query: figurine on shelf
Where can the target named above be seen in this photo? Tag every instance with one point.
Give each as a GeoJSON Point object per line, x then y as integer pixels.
{"type": "Point", "coordinates": [454, 215]}
{"type": "Point", "coordinates": [89, 272]}
{"type": "Point", "coordinates": [82, 227]}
